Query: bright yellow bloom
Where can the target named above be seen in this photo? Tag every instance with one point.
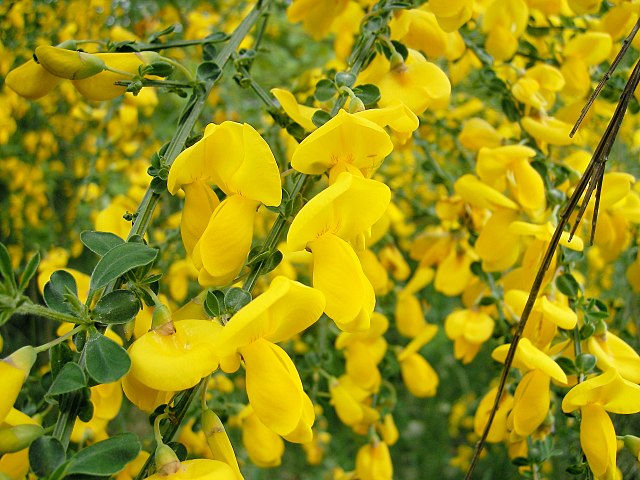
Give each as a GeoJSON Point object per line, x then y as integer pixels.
{"type": "Point", "coordinates": [16, 465]}
{"type": "Point", "coordinates": [273, 384]}
{"type": "Point", "coordinates": [69, 64]}
{"type": "Point", "coordinates": [317, 15]}
{"type": "Point", "coordinates": [218, 441]}
{"type": "Point", "coordinates": [238, 160]}
{"type": "Point", "coordinates": [417, 83]}
{"type": "Point", "coordinates": [529, 357]}
{"type": "Point", "coordinates": [373, 462]}
{"type": "Point", "coordinates": [614, 353]}
{"type": "Point", "coordinates": [530, 403]}
{"type": "Point", "coordinates": [342, 212]}
{"type": "Point", "coordinates": [265, 448]}
{"type": "Point", "coordinates": [504, 22]}
{"type": "Point", "coordinates": [594, 397]}
{"type": "Point", "coordinates": [498, 431]}
{"type": "Point", "coordinates": [347, 142]}
{"type": "Point", "coordinates": [349, 400]}
{"type": "Point", "coordinates": [175, 361]}
{"type": "Point", "coordinates": [31, 80]}
{"type": "Point", "coordinates": [300, 114]}
{"type": "Point", "coordinates": [13, 372]}
{"type": "Point", "coordinates": [198, 469]}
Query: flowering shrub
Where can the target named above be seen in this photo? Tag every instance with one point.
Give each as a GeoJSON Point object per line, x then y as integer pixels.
{"type": "Point", "coordinates": [339, 239]}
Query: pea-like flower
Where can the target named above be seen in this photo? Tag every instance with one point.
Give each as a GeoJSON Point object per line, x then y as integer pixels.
{"type": "Point", "coordinates": [217, 235]}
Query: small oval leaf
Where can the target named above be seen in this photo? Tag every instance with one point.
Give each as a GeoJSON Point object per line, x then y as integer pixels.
{"type": "Point", "coordinates": [60, 284]}
{"type": "Point", "coordinates": [116, 307]}
{"type": "Point", "coordinates": [106, 360]}
{"type": "Point", "coordinates": [45, 454]}
{"type": "Point", "coordinates": [29, 271]}
{"type": "Point", "coordinates": [119, 260]}
{"type": "Point", "coordinates": [100, 242]}
{"type": "Point", "coordinates": [69, 379]}
{"type": "Point", "coordinates": [236, 298]}
{"type": "Point", "coordinates": [105, 458]}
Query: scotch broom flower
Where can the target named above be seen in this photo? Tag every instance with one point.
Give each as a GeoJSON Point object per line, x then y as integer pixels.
{"type": "Point", "coordinates": [373, 461]}
{"type": "Point", "coordinates": [468, 329]}
{"type": "Point", "coordinates": [347, 142]}
{"type": "Point", "coordinates": [238, 160]}
{"type": "Point", "coordinates": [13, 372]}
{"type": "Point", "coordinates": [607, 392]}
{"type": "Point", "coordinates": [340, 213]}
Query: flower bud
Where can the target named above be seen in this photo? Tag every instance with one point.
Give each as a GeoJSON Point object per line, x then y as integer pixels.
{"type": "Point", "coordinates": [218, 441]}
{"type": "Point", "coordinates": [73, 65]}
{"type": "Point", "coordinates": [161, 320]}
{"type": "Point", "coordinates": [167, 461]}
{"type": "Point", "coordinates": [17, 438]}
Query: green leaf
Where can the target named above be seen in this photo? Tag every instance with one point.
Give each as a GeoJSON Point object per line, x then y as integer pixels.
{"type": "Point", "coordinates": [106, 360]}
{"type": "Point", "coordinates": [214, 303]}
{"type": "Point", "coordinates": [70, 379]}
{"type": "Point", "coordinates": [59, 354]}
{"type": "Point", "coordinates": [105, 458]}
{"type": "Point", "coordinates": [368, 93]}
{"type": "Point", "coordinates": [257, 255]}
{"type": "Point", "coordinates": [208, 71]}
{"type": "Point", "coordinates": [161, 69]}
{"type": "Point", "coordinates": [119, 260]}
{"type": "Point", "coordinates": [320, 117]}
{"type": "Point", "coordinates": [236, 298]}
{"type": "Point", "coordinates": [118, 306]}
{"type": "Point", "coordinates": [568, 285]}
{"type": "Point", "coordinates": [100, 242]}
{"type": "Point", "coordinates": [272, 262]}
{"type": "Point", "coordinates": [45, 455]}
{"type": "Point", "coordinates": [6, 270]}
{"type": "Point", "coordinates": [29, 271]}
{"type": "Point", "coordinates": [60, 284]}
{"type": "Point", "coordinates": [585, 362]}
{"type": "Point", "coordinates": [520, 461]}
{"type": "Point", "coordinates": [153, 38]}
{"type": "Point", "coordinates": [345, 79]}
{"type": "Point", "coordinates": [567, 365]}
{"type": "Point", "coordinates": [325, 90]}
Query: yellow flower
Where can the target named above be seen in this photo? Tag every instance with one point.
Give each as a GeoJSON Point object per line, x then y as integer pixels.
{"type": "Point", "coordinates": [451, 15]}
{"type": "Point", "coordinates": [418, 375]}
{"type": "Point", "coordinates": [300, 114]}
{"type": "Point", "coordinates": [504, 22]}
{"type": "Point", "coordinates": [265, 448]}
{"type": "Point", "coordinates": [416, 82]}
{"type": "Point", "coordinates": [342, 212]}
{"type": "Point", "coordinates": [175, 361]}
{"type": "Point", "coordinates": [16, 465]}
{"type": "Point", "coordinates": [498, 430]}
{"type": "Point", "coordinates": [346, 142]}
{"type": "Point", "coordinates": [614, 353]}
{"type": "Point", "coordinates": [408, 315]}
{"type": "Point", "coordinates": [198, 469]}
{"type": "Point", "coordinates": [13, 372]}
{"type": "Point", "coordinates": [273, 384]}
{"type": "Point", "coordinates": [530, 403]}
{"type": "Point", "coordinates": [468, 329]}
{"type": "Point", "coordinates": [349, 402]}
{"type": "Point", "coordinates": [218, 441]}
{"type": "Point", "coordinates": [373, 462]}
{"type": "Point", "coordinates": [317, 15]}
{"type": "Point", "coordinates": [31, 80]}
{"type": "Point", "coordinates": [69, 64]}
{"type": "Point", "coordinates": [581, 52]}
{"type": "Point", "coordinates": [238, 160]}
{"type": "Point", "coordinates": [529, 357]}
{"type": "Point", "coordinates": [594, 397]}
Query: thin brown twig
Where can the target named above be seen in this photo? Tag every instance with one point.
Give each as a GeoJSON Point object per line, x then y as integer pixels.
{"type": "Point", "coordinates": [590, 181]}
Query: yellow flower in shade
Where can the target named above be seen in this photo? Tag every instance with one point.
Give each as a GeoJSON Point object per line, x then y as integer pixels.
{"type": "Point", "coordinates": [388, 430]}
{"type": "Point", "coordinates": [31, 80]}
{"type": "Point", "coordinates": [538, 86]}
{"type": "Point", "coordinates": [497, 247]}
{"type": "Point", "coordinates": [342, 212]}
{"type": "Point", "coordinates": [581, 52]}
{"type": "Point", "coordinates": [415, 82]}
{"type": "Point", "coordinates": [265, 448]}
{"type": "Point", "coordinates": [408, 315]}
{"type": "Point", "coordinates": [316, 15]}
{"type": "Point", "coordinates": [528, 357]}
{"type": "Point", "coordinates": [373, 461]}
{"type": "Point", "coordinates": [142, 396]}
{"type": "Point", "coordinates": [13, 372]}
{"type": "Point", "coordinates": [419, 30]}
{"type": "Point", "coordinates": [468, 329]}
{"type": "Point", "coordinates": [349, 402]}
{"type": "Point", "coordinates": [273, 385]}
{"type": "Point", "coordinates": [580, 7]}
{"type": "Point", "coordinates": [612, 352]}
{"type": "Point", "coordinates": [238, 160]}
{"type": "Point", "coordinates": [509, 166]}
{"type": "Point", "coordinates": [454, 271]}
{"type": "Point", "coordinates": [477, 133]}
{"type": "Point", "coordinates": [479, 194]}
{"type": "Point", "coordinates": [498, 431]}
{"type": "Point", "coordinates": [198, 469]}
{"type": "Point", "coordinates": [300, 114]}
{"type": "Point", "coordinates": [418, 375]}
{"type": "Point", "coordinates": [504, 21]}
{"type": "Point", "coordinates": [608, 392]}
{"type": "Point", "coordinates": [178, 360]}
{"type": "Point", "coordinates": [347, 142]}
{"type": "Point", "coordinates": [451, 15]}
{"type": "Point", "coordinates": [374, 271]}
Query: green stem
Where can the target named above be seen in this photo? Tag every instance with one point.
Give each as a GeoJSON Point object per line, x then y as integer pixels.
{"type": "Point", "coordinates": [60, 339]}
{"type": "Point", "coordinates": [41, 311]}
{"type": "Point", "coordinates": [180, 67]}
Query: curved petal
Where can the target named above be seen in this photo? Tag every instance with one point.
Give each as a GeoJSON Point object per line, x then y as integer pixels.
{"type": "Point", "coordinates": [283, 310]}
{"type": "Point", "coordinates": [300, 114]}
{"type": "Point", "coordinates": [178, 361]}
{"type": "Point", "coordinates": [338, 275]}
{"type": "Point", "coordinates": [347, 208]}
{"type": "Point", "coordinates": [273, 386]}
{"type": "Point", "coordinates": [199, 204]}
{"type": "Point", "coordinates": [528, 357]}
{"type": "Point", "coordinates": [610, 390]}
{"type": "Point", "coordinates": [30, 80]}
{"type": "Point", "coordinates": [479, 194]}
{"type": "Point", "coordinates": [396, 115]}
{"type": "Point", "coordinates": [598, 440]}
{"type": "Point", "coordinates": [531, 402]}
{"type": "Point", "coordinates": [225, 243]}
{"type": "Point", "coordinates": [347, 137]}
{"type": "Point", "coordinates": [613, 352]}
{"type": "Point", "coordinates": [529, 187]}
